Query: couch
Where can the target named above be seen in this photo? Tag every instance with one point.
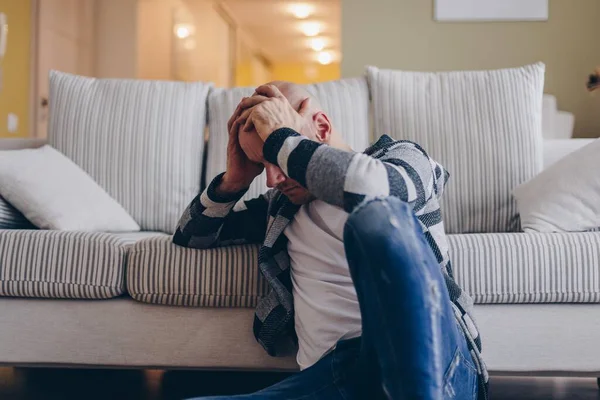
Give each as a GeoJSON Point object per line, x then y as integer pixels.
{"type": "Point", "coordinates": [556, 124]}
{"type": "Point", "coordinates": [135, 300]}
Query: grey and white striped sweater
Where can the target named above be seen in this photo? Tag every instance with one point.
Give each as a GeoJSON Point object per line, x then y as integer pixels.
{"type": "Point", "coordinates": [341, 178]}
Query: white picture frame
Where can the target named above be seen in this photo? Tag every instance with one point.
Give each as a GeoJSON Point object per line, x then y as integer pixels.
{"type": "Point", "coordinates": [491, 10]}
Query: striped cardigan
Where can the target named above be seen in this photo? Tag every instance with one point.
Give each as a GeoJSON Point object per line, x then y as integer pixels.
{"type": "Point", "coordinates": [341, 178]}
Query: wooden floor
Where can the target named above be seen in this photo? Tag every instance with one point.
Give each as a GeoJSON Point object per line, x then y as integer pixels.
{"type": "Point", "coordinates": [70, 384]}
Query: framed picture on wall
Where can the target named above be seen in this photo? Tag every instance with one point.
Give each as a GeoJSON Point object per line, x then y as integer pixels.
{"type": "Point", "coordinates": [491, 10]}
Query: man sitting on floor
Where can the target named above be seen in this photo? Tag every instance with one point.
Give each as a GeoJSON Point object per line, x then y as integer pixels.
{"type": "Point", "coordinates": [354, 251]}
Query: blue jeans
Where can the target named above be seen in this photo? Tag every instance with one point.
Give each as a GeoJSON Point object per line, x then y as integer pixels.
{"type": "Point", "coordinates": [411, 346]}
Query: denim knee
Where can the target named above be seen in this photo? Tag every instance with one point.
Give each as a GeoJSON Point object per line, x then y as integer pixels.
{"type": "Point", "coordinates": [373, 215]}
{"type": "Point", "coordinates": [385, 205]}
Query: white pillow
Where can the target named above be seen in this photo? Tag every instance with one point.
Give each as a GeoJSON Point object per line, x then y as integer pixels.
{"type": "Point", "coordinates": [485, 127]}
{"type": "Point", "coordinates": [54, 193]}
{"type": "Point", "coordinates": [565, 197]}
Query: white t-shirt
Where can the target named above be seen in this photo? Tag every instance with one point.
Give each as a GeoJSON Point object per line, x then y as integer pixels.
{"type": "Point", "coordinates": [325, 302]}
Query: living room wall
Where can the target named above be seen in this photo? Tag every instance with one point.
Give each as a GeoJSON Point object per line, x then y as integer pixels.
{"type": "Point", "coordinates": [116, 40]}
{"type": "Point", "coordinates": [14, 89]}
{"type": "Point", "coordinates": [402, 34]}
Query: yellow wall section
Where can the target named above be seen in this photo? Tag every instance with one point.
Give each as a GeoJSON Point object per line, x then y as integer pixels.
{"type": "Point", "coordinates": [305, 73]}
{"type": "Point", "coordinates": [243, 74]}
{"type": "Point", "coordinates": [293, 72]}
{"type": "Point", "coordinates": [14, 93]}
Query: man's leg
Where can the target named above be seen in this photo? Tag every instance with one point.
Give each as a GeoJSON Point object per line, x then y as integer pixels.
{"type": "Point", "coordinates": [406, 311]}
{"type": "Point", "coordinates": [334, 377]}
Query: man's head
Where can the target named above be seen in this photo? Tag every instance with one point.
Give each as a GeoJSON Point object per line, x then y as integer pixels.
{"type": "Point", "coordinates": [593, 82]}
{"type": "Point", "coordinates": [317, 127]}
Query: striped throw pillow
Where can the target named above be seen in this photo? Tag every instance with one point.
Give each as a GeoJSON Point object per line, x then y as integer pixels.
{"type": "Point", "coordinates": [141, 141]}
{"type": "Point", "coordinates": [345, 101]}
{"type": "Point", "coordinates": [485, 127]}
{"type": "Point", "coordinates": [11, 218]}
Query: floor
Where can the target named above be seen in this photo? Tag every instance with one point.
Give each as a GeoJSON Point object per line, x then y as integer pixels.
{"type": "Point", "coordinates": [70, 384]}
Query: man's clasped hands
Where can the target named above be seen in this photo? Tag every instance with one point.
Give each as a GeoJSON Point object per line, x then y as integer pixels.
{"type": "Point", "coordinates": [252, 122]}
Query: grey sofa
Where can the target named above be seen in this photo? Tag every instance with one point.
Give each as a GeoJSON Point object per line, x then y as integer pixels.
{"type": "Point", "coordinates": [137, 300]}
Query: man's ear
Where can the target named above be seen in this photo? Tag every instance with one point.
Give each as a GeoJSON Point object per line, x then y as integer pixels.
{"type": "Point", "coordinates": [323, 126]}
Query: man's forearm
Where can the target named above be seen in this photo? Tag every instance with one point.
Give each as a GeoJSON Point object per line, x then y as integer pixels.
{"type": "Point", "coordinates": [318, 167]}
{"type": "Point", "coordinates": [344, 178]}
{"type": "Point", "coordinates": [228, 188]}
{"type": "Point", "coordinates": [204, 223]}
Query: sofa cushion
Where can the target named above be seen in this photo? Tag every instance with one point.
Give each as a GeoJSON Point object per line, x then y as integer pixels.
{"type": "Point", "coordinates": [142, 141]}
{"type": "Point", "coordinates": [483, 126]}
{"type": "Point", "coordinates": [492, 268]}
{"type": "Point", "coordinates": [528, 268]}
{"type": "Point", "coordinates": [162, 273]}
{"type": "Point", "coordinates": [346, 102]}
{"type": "Point", "coordinates": [130, 238]}
{"type": "Point", "coordinates": [60, 264]}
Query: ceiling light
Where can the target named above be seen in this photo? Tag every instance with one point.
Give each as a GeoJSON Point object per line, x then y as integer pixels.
{"type": "Point", "coordinates": [311, 28]}
{"type": "Point", "coordinates": [325, 58]}
{"type": "Point", "coordinates": [183, 31]}
{"type": "Point", "coordinates": [301, 10]}
{"type": "Point", "coordinates": [317, 44]}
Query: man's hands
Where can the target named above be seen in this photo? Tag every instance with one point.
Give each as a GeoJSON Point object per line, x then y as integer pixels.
{"type": "Point", "coordinates": [268, 110]}
{"type": "Point", "coordinates": [240, 170]}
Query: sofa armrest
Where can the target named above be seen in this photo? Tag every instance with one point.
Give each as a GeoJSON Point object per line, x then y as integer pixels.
{"type": "Point", "coordinates": [19, 144]}
{"type": "Point", "coordinates": [555, 149]}
{"type": "Point", "coordinates": [564, 123]}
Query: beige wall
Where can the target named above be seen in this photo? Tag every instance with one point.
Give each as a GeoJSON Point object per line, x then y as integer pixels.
{"type": "Point", "coordinates": [116, 38]}
{"type": "Point", "coordinates": [65, 42]}
{"type": "Point", "coordinates": [155, 39]}
{"type": "Point", "coordinates": [251, 67]}
{"type": "Point", "coordinates": [211, 61]}
{"type": "Point", "coordinates": [136, 40]}
{"type": "Point", "coordinates": [402, 34]}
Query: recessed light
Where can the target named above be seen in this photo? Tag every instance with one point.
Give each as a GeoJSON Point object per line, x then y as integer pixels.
{"type": "Point", "coordinates": [325, 58]}
{"type": "Point", "coordinates": [311, 28]}
{"type": "Point", "coordinates": [301, 10]}
{"type": "Point", "coordinates": [317, 44]}
{"type": "Point", "coordinates": [183, 31]}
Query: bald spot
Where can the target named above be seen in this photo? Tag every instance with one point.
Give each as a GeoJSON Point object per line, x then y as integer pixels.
{"type": "Point", "coordinates": [295, 94]}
